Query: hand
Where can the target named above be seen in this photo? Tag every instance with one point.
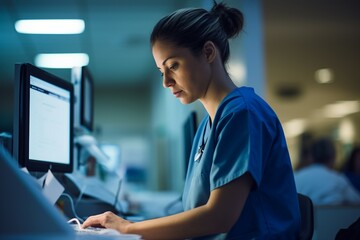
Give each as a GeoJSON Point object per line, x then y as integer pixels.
{"type": "Point", "coordinates": [107, 220]}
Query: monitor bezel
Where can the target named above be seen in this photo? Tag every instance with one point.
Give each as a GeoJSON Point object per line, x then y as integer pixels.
{"type": "Point", "coordinates": [21, 121]}
{"type": "Point", "coordinates": [86, 77]}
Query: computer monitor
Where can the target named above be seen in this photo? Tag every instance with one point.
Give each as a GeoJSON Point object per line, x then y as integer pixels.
{"type": "Point", "coordinates": [189, 131]}
{"type": "Point", "coordinates": [43, 120]}
{"type": "Point", "coordinates": [84, 98]}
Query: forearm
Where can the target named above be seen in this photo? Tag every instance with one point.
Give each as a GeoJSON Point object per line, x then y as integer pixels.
{"type": "Point", "coordinates": [218, 215]}
{"type": "Point", "coordinates": [196, 222]}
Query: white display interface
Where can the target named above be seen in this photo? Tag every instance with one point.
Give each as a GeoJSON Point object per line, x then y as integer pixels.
{"type": "Point", "coordinates": [49, 122]}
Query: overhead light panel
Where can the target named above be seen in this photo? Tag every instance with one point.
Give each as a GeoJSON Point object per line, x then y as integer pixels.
{"type": "Point", "coordinates": [50, 26]}
{"type": "Point", "coordinates": [341, 109]}
{"type": "Point", "coordinates": [324, 75]}
{"type": "Point", "coordinates": [61, 60]}
{"type": "Point", "coordinates": [347, 131]}
{"type": "Point", "coordinates": [294, 127]}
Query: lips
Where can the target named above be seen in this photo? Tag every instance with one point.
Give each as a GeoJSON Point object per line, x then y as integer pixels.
{"type": "Point", "coordinates": [177, 93]}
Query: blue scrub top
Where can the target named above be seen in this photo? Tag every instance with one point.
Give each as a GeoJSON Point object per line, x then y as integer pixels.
{"type": "Point", "coordinates": [246, 136]}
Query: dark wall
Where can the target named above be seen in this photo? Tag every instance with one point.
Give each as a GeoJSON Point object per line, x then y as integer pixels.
{"type": "Point", "coordinates": [6, 107]}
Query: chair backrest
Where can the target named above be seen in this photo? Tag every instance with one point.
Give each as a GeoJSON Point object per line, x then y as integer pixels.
{"type": "Point", "coordinates": [307, 217]}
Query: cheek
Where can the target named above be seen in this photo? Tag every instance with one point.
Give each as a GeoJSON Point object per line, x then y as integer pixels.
{"type": "Point", "coordinates": [196, 78]}
{"type": "Point", "coordinates": [194, 82]}
{"type": "Point", "coordinates": [203, 76]}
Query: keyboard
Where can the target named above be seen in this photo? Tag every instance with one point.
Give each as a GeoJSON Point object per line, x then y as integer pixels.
{"type": "Point", "coordinates": [94, 230]}
{"type": "Point", "coordinates": [104, 231]}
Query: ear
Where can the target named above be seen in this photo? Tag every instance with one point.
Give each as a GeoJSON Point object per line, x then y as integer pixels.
{"type": "Point", "coordinates": [209, 51]}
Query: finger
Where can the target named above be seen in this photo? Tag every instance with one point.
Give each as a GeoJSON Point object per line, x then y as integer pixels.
{"type": "Point", "coordinates": [93, 220]}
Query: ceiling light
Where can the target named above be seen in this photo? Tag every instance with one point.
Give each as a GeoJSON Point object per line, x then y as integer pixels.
{"type": "Point", "coordinates": [61, 60]}
{"type": "Point", "coordinates": [341, 109]}
{"type": "Point", "coordinates": [294, 127]}
{"type": "Point", "coordinates": [50, 26]}
{"type": "Point", "coordinates": [324, 75]}
{"type": "Point", "coordinates": [347, 131]}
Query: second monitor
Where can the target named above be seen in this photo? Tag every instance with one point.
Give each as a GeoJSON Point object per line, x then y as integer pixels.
{"type": "Point", "coordinates": [84, 98]}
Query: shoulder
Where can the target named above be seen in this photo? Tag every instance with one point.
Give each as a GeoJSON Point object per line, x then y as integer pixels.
{"type": "Point", "coordinates": [243, 104]}
{"type": "Point", "coordinates": [243, 99]}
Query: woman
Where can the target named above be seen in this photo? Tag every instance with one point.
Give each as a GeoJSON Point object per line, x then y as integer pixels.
{"type": "Point", "coordinates": [240, 182]}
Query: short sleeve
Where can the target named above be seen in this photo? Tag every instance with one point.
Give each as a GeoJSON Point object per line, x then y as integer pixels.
{"type": "Point", "coordinates": [233, 149]}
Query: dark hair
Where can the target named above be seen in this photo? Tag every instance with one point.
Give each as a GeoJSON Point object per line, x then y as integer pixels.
{"type": "Point", "coordinates": [323, 151]}
{"type": "Point", "coordinates": [192, 27]}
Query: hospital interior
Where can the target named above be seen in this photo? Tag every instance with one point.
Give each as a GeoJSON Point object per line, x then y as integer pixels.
{"type": "Point", "coordinates": [131, 136]}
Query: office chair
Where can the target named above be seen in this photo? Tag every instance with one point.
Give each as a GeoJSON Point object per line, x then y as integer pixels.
{"type": "Point", "coordinates": [307, 217]}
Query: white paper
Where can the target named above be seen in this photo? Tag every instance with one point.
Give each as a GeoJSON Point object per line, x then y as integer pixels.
{"type": "Point", "coordinates": [52, 188]}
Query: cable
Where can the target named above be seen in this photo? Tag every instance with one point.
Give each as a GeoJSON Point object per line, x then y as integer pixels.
{"type": "Point", "coordinates": [72, 206]}
{"type": "Point", "coordinates": [80, 195]}
{"type": "Point", "coordinates": [117, 197]}
{"type": "Point", "coordinates": [76, 221]}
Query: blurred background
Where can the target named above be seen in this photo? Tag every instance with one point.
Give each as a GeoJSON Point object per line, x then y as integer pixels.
{"type": "Point", "coordinates": [300, 56]}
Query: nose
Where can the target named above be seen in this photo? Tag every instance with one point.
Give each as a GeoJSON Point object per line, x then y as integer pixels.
{"type": "Point", "coordinates": [168, 81]}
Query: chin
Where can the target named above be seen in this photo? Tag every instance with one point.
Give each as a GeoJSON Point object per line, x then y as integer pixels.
{"type": "Point", "coordinates": [186, 101]}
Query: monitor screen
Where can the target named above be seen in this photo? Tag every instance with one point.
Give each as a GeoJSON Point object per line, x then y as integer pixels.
{"type": "Point", "coordinates": [43, 120]}
{"type": "Point", "coordinates": [84, 98]}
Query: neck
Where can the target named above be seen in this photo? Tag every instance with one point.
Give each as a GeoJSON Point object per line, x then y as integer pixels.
{"type": "Point", "coordinates": [219, 87]}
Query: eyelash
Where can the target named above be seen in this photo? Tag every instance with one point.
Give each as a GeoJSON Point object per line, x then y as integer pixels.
{"type": "Point", "coordinates": [172, 67]}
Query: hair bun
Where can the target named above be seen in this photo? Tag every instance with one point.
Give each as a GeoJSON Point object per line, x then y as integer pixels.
{"type": "Point", "coordinates": [231, 19]}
